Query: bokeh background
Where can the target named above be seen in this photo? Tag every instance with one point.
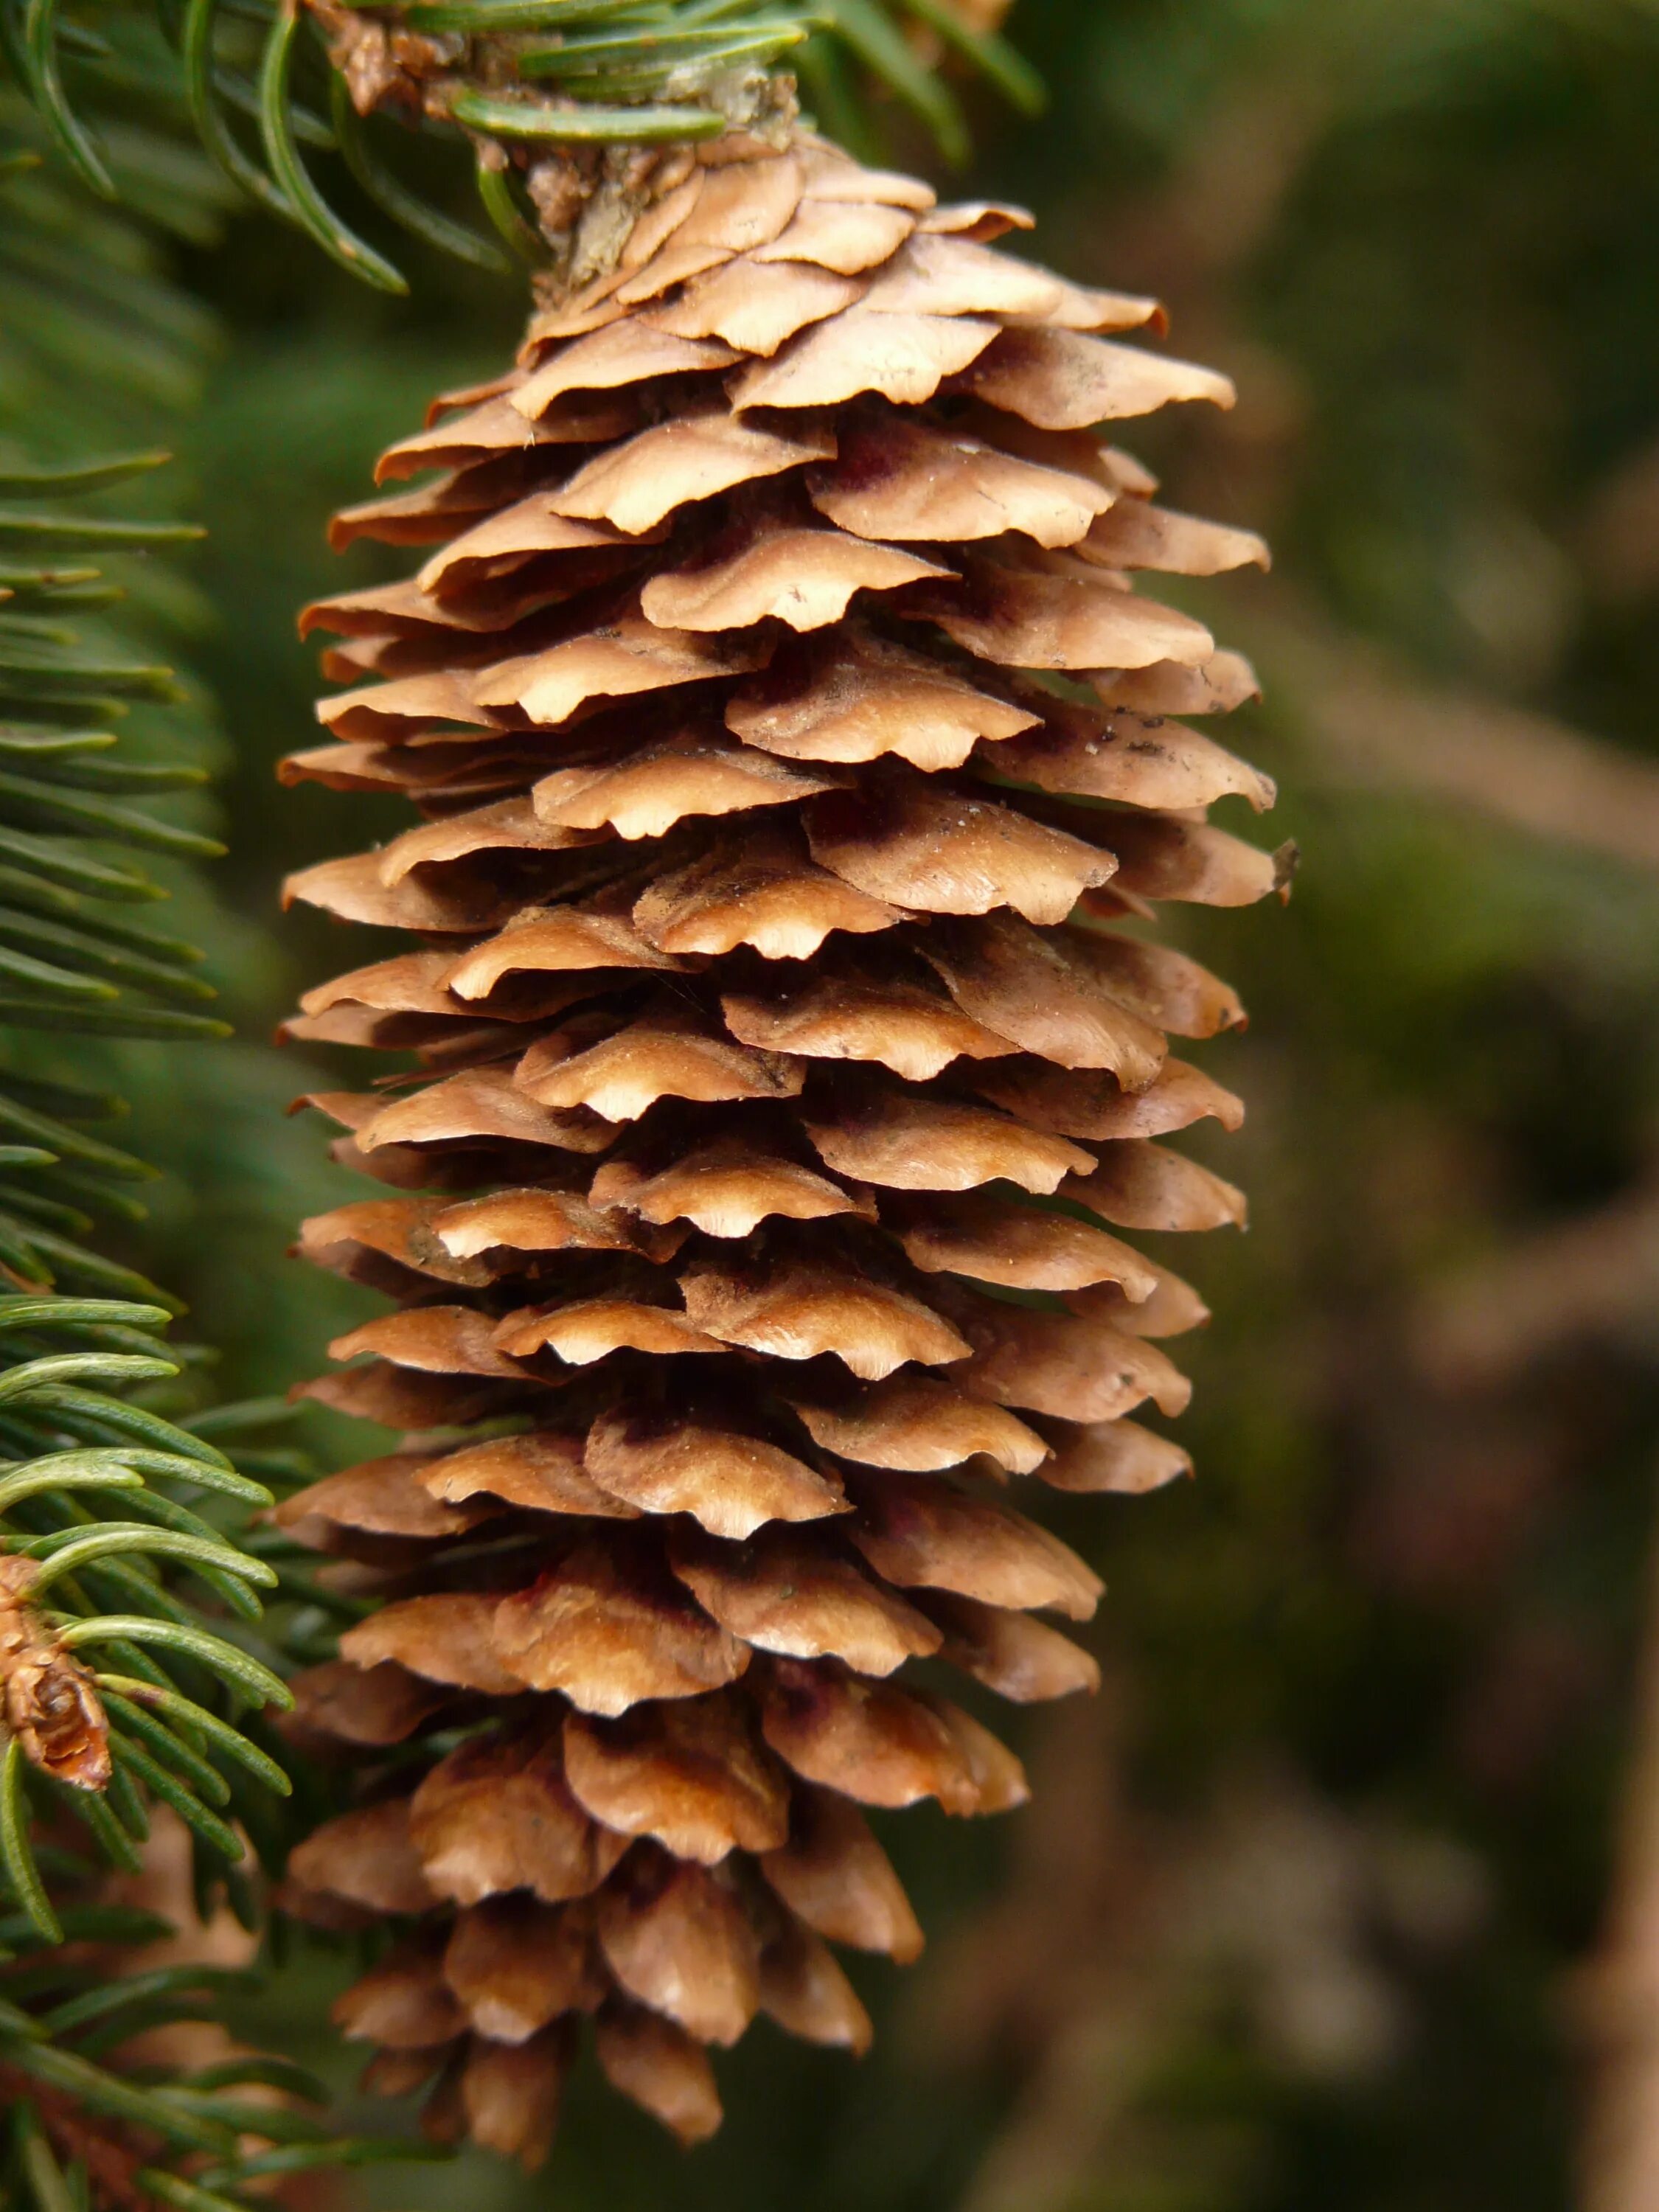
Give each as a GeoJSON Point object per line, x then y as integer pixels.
{"type": "Point", "coordinates": [1346, 1892]}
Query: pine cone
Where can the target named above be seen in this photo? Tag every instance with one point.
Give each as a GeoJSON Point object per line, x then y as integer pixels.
{"type": "Point", "coordinates": [763, 893]}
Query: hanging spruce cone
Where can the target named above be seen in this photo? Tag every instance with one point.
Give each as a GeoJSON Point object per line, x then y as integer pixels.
{"type": "Point", "coordinates": [783, 1084]}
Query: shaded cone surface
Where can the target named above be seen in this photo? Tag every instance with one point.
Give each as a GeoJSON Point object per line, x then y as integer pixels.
{"type": "Point", "coordinates": [790, 742]}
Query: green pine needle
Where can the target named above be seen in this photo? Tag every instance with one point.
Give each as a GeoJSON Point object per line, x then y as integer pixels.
{"type": "Point", "coordinates": [310, 209]}
{"type": "Point", "coordinates": [583, 125]}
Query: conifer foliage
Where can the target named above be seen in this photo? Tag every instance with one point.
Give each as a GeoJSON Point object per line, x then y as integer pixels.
{"type": "Point", "coordinates": [131, 1666]}
{"type": "Point", "coordinates": [120, 1688]}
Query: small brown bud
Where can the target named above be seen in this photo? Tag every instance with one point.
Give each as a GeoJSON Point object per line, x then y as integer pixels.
{"type": "Point", "coordinates": [46, 1697]}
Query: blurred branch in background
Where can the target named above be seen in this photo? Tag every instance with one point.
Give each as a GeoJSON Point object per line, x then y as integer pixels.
{"type": "Point", "coordinates": [1594, 1278]}
{"type": "Point", "coordinates": [1371, 724]}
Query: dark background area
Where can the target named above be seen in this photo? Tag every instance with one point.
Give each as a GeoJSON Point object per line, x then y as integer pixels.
{"type": "Point", "coordinates": [1305, 1912]}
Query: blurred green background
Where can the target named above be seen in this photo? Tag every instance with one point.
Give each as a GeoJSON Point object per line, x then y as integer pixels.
{"type": "Point", "coordinates": [1306, 1913]}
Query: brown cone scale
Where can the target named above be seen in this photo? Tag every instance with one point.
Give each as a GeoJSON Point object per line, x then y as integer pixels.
{"type": "Point", "coordinates": [790, 734]}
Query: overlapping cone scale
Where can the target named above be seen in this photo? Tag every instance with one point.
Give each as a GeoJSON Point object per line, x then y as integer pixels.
{"type": "Point", "coordinates": [793, 748]}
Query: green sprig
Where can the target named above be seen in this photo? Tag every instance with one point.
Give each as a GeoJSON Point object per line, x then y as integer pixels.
{"type": "Point", "coordinates": [627, 72]}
